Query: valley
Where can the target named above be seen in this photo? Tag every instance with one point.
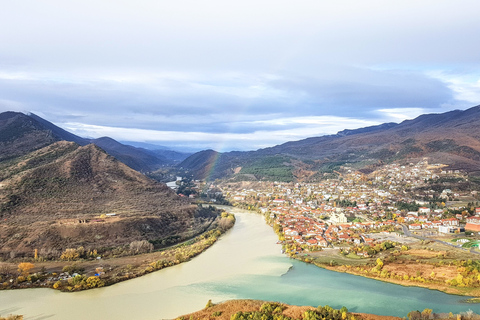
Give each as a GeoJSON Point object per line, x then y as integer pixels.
{"type": "Point", "coordinates": [74, 217]}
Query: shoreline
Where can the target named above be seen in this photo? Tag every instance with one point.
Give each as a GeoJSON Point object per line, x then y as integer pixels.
{"type": "Point", "coordinates": [339, 265]}
{"type": "Point", "coordinates": [403, 283]}
{"type": "Point", "coordinates": [473, 293]}
{"type": "Point", "coordinates": [113, 270]}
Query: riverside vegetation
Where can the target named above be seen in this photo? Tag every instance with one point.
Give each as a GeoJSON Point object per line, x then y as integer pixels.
{"type": "Point", "coordinates": [260, 310]}
{"type": "Point", "coordinates": [82, 270]}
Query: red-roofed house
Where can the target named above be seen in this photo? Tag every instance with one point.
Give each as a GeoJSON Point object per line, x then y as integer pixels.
{"type": "Point", "coordinates": [415, 226]}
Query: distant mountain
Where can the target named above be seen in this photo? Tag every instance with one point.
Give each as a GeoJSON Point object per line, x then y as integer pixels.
{"type": "Point", "coordinates": [21, 134]}
{"type": "Point", "coordinates": [151, 146]}
{"type": "Point", "coordinates": [162, 151]}
{"type": "Point", "coordinates": [136, 158]}
{"type": "Point", "coordinates": [451, 138]}
{"type": "Point", "coordinates": [201, 163]}
{"type": "Point", "coordinates": [62, 196]}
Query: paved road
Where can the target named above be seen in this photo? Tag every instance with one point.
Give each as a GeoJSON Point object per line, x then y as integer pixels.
{"type": "Point", "coordinates": [407, 232]}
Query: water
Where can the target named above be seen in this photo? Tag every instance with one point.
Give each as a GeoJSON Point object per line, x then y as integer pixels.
{"type": "Point", "coordinates": [245, 263]}
{"type": "Point", "coordinates": [173, 184]}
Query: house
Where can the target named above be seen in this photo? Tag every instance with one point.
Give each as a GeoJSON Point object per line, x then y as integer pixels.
{"type": "Point", "coordinates": [422, 218]}
{"type": "Point", "coordinates": [424, 210]}
{"type": "Point", "coordinates": [321, 241]}
{"type": "Point", "coordinates": [415, 226]}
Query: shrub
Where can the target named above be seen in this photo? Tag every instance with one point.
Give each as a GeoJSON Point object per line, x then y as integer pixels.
{"type": "Point", "coordinates": [143, 246]}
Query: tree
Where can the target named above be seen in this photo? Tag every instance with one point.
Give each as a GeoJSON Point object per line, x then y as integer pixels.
{"type": "Point", "coordinates": [426, 313]}
{"type": "Point", "coordinates": [25, 267]}
{"type": "Point", "coordinates": [379, 264]}
{"type": "Point", "coordinates": [209, 304]}
{"type": "Point", "coordinates": [95, 282]}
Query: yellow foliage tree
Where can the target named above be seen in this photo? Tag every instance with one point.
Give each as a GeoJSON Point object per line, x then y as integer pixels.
{"type": "Point", "coordinates": [70, 254]}
{"type": "Point", "coordinates": [25, 267]}
{"type": "Point", "coordinates": [95, 282]}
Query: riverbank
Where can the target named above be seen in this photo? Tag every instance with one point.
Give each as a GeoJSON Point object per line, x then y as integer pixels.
{"type": "Point", "coordinates": [88, 274]}
{"type": "Point", "coordinates": [426, 265]}
{"type": "Point", "coordinates": [242, 309]}
{"type": "Point", "coordinates": [411, 262]}
{"type": "Point", "coordinates": [471, 292]}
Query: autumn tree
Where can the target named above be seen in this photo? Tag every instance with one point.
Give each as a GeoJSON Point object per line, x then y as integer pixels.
{"type": "Point", "coordinates": [25, 267]}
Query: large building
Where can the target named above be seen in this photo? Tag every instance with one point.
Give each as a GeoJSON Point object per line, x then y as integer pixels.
{"type": "Point", "coordinates": [473, 224]}
{"type": "Point", "coordinates": [338, 218]}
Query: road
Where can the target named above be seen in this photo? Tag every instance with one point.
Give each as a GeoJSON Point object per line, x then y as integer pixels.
{"type": "Point", "coordinates": [407, 232]}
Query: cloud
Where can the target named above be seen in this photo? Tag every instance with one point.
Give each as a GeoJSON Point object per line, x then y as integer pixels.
{"type": "Point", "coordinates": [465, 86]}
{"type": "Point", "coordinates": [285, 129]}
{"type": "Point", "coordinates": [229, 72]}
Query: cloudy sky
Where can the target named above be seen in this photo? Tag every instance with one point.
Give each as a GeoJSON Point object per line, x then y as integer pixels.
{"type": "Point", "coordinates": [236, 74]}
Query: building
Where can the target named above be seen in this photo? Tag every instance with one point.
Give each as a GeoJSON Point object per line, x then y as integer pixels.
{"type": "Point", "coordinates": [415, 226]}
{"type": "Point", "coordinates": [338, 218]}
{"type": "Point", "coordinates": [473, 224]}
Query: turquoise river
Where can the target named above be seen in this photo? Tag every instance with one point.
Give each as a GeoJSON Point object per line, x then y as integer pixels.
{"type": "Point", "coordinates": [246, 262]}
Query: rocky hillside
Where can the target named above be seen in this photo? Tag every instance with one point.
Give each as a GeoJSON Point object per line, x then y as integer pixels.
{"type": "Point", "coordinates": [65, 196]}
{"type": "Point", "coordinates": [451, 138]}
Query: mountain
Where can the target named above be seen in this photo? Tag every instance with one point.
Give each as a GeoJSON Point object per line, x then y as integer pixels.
{"type": "Point", "coordinates": [136, 158]}
{"type": "Point", "coordinates": [59, 132]}
{"type": "Point", "coordinates": [21, 134]}
{"type": "Point", "coordinates": [161, 151]}
{"type": "Point", "coordinates": [451, 138]}
{"type": "Point", "coordinates": [65, 196]}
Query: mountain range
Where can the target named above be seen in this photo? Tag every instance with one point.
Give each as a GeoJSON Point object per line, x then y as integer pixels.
{"type": "Point", "coordinates": [451, 138]}
{"type": "Point", "coordinates": [21, 133]}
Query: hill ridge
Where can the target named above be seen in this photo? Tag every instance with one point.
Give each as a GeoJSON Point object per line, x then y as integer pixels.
{"type": "Point", "coordinates": [452, 138]}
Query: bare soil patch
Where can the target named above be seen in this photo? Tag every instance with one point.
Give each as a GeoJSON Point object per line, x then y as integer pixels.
{"type": "Point", "coordinates": [425, 254]}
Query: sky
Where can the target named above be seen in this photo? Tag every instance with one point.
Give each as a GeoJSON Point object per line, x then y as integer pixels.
{"type": "Point", "coordinates": [236, 75]}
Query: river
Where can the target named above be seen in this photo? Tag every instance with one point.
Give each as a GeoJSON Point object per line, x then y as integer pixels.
{"type": "Point", "coordinates": [245, 263]}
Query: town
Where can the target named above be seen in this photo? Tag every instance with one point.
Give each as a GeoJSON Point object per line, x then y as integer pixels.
{"type": "Point", "coordinates": [355, 209]}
